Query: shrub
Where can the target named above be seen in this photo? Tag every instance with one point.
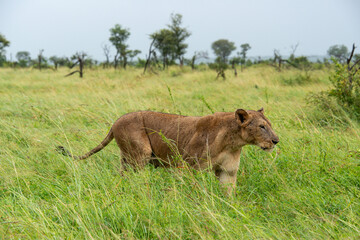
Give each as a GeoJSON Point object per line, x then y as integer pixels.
{"type": "Point", "coordinates": [343, 99]}
{"type": "Point", "coordinates": [346, 88]}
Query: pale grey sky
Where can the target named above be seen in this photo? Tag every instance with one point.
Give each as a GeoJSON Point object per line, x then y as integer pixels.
{"type": "Point", "coordinates": [62, 27]}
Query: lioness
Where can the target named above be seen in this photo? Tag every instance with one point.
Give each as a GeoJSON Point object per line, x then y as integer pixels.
{"type": "Point", "coordinates": [212, 141]}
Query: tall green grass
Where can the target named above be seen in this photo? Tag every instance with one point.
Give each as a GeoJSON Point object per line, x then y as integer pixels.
{"type": "Point", "coordinates": [309, 187]}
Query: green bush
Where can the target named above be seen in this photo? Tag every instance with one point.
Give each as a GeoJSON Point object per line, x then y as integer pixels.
{"type": "Point", "coordinates": [342, 102]}
{"type": "Point", "coordinates": [346, 88]}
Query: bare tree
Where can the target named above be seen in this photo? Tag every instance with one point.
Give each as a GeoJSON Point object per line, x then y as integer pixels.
{"type": "Point", "coordinates": [106, 50]}
{"type": "Point", "coordinates": [197, 56]}
{"type": "Point", "coordinates": [79, 59]}
{"type": "Point", "coordinates": [293, 50]}
{"type": "Point", "coordinates": [278, 61]}
{"type": "Point", "coordinates": [151, 57]}
{"type": "Point", "coordinates": [352, 67]}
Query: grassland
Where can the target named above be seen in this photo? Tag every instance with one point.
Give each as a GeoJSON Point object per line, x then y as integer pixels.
{"type": "Point", "coordinates": [309, 187]}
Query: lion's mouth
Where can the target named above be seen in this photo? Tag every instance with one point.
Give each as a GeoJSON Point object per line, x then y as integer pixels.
{"type": "Point", "coordinates": [267, 149]}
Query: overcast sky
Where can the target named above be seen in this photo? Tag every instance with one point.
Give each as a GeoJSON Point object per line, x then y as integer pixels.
{"type": "Point", "coordinates": [62, 27]}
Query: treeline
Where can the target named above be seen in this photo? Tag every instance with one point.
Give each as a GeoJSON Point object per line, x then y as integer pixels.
{"type": "Point", "coordinates": [167, 47]}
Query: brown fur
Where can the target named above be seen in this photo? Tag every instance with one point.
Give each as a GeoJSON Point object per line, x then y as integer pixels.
{"type": "Point", "coordinates": [212, 141]}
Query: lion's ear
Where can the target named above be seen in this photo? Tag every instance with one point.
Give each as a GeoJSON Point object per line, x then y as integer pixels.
{"type": "Point", "coordinates": [241, 116]}
{"type": "Point", "coordinates": [261, 110]}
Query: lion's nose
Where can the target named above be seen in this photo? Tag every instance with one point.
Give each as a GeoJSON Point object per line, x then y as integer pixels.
{"type": "Point", "coordinates": [275, 141]}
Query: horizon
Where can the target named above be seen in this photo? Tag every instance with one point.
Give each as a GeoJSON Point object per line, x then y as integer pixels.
{"type": "Point", "coordinates": [61, 29]}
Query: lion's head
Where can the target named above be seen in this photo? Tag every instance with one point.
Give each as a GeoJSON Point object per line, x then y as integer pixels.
{"type": "Point", "coordinates": [256, 129]}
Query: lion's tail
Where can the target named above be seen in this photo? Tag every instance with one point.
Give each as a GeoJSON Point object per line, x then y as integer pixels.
{"type": "Point", "coordinates": [107, 139]}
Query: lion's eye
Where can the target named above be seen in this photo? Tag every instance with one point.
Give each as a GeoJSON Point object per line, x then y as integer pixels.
{"type": "Point", "coordinates": [262, 126]}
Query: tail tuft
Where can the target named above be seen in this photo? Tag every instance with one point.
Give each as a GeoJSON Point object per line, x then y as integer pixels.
{"type": "Point", "coordinates": [63, 151]}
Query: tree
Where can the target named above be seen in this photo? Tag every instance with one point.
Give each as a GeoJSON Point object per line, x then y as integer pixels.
{"type": "Point", "coordinates": [3, 44]}
{"type": "Point", "coordinates": [222, 49]}
{"type": "Point", "coordinates": [23, 58]}
{"type": "Point", "coordinates": [197, 56]}
{"type": "Point", "coordinates": [133, 53]}
{"type": "Point", "coordinates": [339, 52]}
{"type": "Point", "coordinates": [106, 49]}
{"type": "Point", "coordinates": [60, 61]}
{"type": "Point", "coordinates": [278, 61]}
{"type": "Point", "coordinates": [179, 35]}
{"type": "Point", "coordinates": [40, 59]}
{"type": "Point", "coordinates": [78, 58]}
{"type": "Point", "coordinates": [293, 50]}
{"type": "Point", "coordinates": [170, 42]}
{"type": "Point", "coordinates": [234, 61]}
{"type": "Point", "coordinates": [151, 57]}
{"type": "Point", "coordinates": [346, 84]}
{"type": "Point", "coordinates": [64, 61]}
{"type": "Point", "coordinates": [118, 37]}
{"type": "Point", "coordinates": [163, 41]}
{"type": "Point", "coordinates": [244, 48]}
{"type": "Point", "coordinates": [55, 60]}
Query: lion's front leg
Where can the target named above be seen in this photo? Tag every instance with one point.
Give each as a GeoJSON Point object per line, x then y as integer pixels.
{"type": "Point", "coordinates": [226, 165]}
{"type": "Point", "coordinates": [228, 181]}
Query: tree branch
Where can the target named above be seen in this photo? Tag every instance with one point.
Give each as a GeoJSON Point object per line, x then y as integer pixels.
{"type": "Point", "coordinates": [351, 55]}
{"type": "Point", "coordinates": [72, 73]}
{"type": "Point", "coordinates": [357, 62]}
{"type": "Point", "coordinates": [356, 70]}
{"type": "Point", "coordinates": [150, 53]}
{"type": "Point", "coordinates": [74, 64]}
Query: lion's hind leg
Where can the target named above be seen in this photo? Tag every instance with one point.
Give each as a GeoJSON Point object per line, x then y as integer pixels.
{"type": "Point", "coordinates": [135, 149]}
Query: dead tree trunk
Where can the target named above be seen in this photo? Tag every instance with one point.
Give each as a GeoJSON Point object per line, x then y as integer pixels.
{"type": "Point", "coordinates": [278, 61]}
{"type": "Point", "coordinates": [198, 56]}
{"type": "Point", "coordinates": [40, 58]}
{"type": "Point", "coordinates": [80, 59]}
{"type": "Point", "coordinates": [151, 52]}
{"type": "Point", "coordinates": [193, 59]}
{"type": "Point", "coordinates": [106, 50]}
{"type": "Point", "coordinates": [352, 68]}
{"type": "Point", "coordinates": [81, 66]}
